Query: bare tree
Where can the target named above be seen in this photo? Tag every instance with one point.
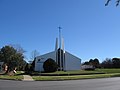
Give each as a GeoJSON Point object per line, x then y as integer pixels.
{"type": "Point", "coordinates": [108, 1]}
{"type": "Point", "coordinates": [34, 54]}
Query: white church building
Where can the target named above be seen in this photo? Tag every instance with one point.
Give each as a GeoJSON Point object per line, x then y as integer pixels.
{"type": "Point", "coordinates": [65, 60]}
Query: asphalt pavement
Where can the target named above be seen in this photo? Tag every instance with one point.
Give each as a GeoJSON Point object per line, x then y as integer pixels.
{"type": "Point", "coordinates": [89, 84]}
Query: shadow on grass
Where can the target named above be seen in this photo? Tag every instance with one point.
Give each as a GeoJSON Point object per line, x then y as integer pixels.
{"type": "Point", "coordinates": [21, 74]}
{"type": "Point", "coordinates": [67, 74]}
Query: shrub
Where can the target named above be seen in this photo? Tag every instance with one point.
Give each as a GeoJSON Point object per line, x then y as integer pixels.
{"type": "Point", "coordinates": [50, 65]}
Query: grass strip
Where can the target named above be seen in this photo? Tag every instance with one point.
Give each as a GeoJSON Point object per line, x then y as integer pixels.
{"type": "Point", "coordinates": [77, 77]}
{"type": "Point", "coordinates": [62, 73]}
{"type": "Point", "coordinates": [17, 76]}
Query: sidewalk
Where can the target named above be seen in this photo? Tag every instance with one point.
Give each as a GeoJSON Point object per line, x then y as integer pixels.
{"type": "Point", "coordinates": [27, 77]}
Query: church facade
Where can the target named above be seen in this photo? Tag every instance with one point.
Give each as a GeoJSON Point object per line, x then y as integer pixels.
{"type": "Point", "coordinates": [65, 60]}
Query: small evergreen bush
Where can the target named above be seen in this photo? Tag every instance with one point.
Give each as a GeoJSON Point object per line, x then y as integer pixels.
{"type": "Point", "coordinates": [50, 65]}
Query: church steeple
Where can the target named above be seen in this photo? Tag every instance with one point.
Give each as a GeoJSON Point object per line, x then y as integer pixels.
{"type": "Point", "coordinates": [60, 53]}
{"type": "Point", "coordinates": [59, 41]}
{"type": "Point", "coordinates": [60, 36]}
{"type": "Point", "coordinates": [56, 44]}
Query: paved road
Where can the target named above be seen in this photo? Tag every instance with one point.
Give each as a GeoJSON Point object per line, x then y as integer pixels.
{"type": "Point", "coordinates": [91, 84]}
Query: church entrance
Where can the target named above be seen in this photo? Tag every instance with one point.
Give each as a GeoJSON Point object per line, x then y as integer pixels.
{"type": "Point", "coordinates": [60, 59]}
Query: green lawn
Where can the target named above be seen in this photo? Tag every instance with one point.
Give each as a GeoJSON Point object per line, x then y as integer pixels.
{"type": "Point", "coordinates": [81, 74]}
{"type": "Point", "coordinates": [108, 70]}
{"type": "Point", "coordinates": [17, 76]}
{"type": "Point", "coordinates": [68, 75]}
{"type": "Point", "coordinates": [44, 78]}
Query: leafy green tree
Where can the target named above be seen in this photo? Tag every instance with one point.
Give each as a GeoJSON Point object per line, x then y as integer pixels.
{"type": "Point", "coordinates": [107, 63]}
{"type": "Point", "coordinates": [111, 63]}
{"type": "Point", "coordinates": [11, 57]}
{"type": "Point", "coordinates": [94, 62]}
{"type": "Point", "coordinates": [116, 62]}
{"type": "Point", "coordinates": [33, 65]}
{"type": "Point", "coordinates": [91, 62]}
{"type": "Point", "coordinates": [50, 65]}
{"type": "Point", "coordinates": [86, 63]}
{"type": "Point", "coordinates": [27, 68]}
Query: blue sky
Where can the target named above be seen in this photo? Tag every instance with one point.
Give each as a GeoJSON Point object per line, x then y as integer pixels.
{"type": "Point", "coordinates": [90, 29]}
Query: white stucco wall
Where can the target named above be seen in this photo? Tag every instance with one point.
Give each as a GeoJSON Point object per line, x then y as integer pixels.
{"type": "Point", "coordinates": [72, 62]}
{"type": "Point", "coordinates": [41, 59]}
